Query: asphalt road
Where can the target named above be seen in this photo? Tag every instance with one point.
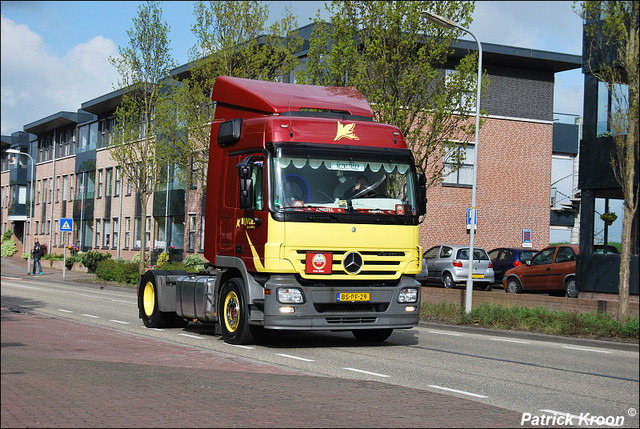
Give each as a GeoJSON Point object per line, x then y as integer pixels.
{"type": "Point", "coordinates": [495, 376]}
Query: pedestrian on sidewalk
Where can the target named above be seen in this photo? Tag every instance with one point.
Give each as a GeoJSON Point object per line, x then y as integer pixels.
{"type": "Point", "coordinates": [37, 254]}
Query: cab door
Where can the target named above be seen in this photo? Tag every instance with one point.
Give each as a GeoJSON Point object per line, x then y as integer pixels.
{"type": "Point", "coordinates": [251, 221]}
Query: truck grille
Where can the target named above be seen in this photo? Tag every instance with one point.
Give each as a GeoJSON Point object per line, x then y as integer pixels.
{"type": "Point", "coordinates": [380, 264]}
{"type": "Point", "coordinates": [351, 308]}
{"type": "Point", "coordinates": [336, 320]}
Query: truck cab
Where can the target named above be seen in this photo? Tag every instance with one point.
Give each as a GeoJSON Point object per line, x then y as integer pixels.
{"type": "Point", "coordinates": [311, 219]}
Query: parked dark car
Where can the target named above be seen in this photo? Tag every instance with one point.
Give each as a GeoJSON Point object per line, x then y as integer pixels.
{"type": "Point", "coordinates": [505, 258]}
{"type": "Point", "coordinates": [448, 265]}
{"type": "Point", "coordinates": [551, 270]}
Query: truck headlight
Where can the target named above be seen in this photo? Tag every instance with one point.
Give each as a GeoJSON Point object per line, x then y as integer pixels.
{"type": "Point", "coordinates": [408, 295]}
{"type": "Point", "coordinates": [290, 296]}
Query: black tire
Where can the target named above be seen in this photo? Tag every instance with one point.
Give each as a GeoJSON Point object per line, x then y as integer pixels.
{"type": "Point", "coordinates": [571, 288]}
{"type": "Point", "coordinates": [447, 281]}
{"type": "Point", "coordinates": [234, 314]}
{"type": "Point", "coordinates": [513, 285]}
{"type": "Point", "coordinates": [372, 335]}
{"type": "Point", "coordinates": [486, 287]}
{"type": "Point", "coordinates": [150, 313]}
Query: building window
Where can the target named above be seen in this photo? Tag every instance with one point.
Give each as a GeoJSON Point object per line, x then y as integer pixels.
{"type": "Point", "coordinates": [127, 231]}
{"type": "Point", "coordinates": [458, 165]}
{"type": "Point", "coordinates": [201, 246]}
{"type": "Point", "coordinates": [57, 189]}
{"type": "Point", "coordinates": [97, 232]}
{"type": "Point", "coordinates": [148, 232]}
{"type": "Point", "coordinates": [192, 232]}
{"type": "Point", "coordinates": [71, 182]}
{"type": "Point", "coordinates": [106, 233]}
{"type": "Point", "coordinates": [612, 104]}
{"type": "Point", "coordinates": [99, 183]}
{"type": "Point", "coordinates": [118, 181]}
{"type": "Point", "coordinates": [107, 182]}
{"type": "Point", "coordinates": [137, 232]}
{"type": "Point", "coordinates": [115, 233]}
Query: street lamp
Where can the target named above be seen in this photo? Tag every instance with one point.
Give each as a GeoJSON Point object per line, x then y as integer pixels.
{"type": "Point", "coordinates": [33, 177]}
{"type": "Point", "coordinates": [444, 22]}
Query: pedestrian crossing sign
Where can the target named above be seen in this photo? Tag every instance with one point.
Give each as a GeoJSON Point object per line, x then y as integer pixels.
{"type": "Point", "coordinates": [66, 225]}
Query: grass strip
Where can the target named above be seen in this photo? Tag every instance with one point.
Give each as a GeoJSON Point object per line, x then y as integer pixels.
{"type": "Point", "coordinates": [536, 319]}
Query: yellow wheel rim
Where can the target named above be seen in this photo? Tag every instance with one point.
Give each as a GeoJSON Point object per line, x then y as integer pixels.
{"type": "Point", "coordinates": [149, 299]}
{"type": "Point", "coordinates": [232, 311]}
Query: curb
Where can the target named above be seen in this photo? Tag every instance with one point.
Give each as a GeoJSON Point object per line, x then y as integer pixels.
{"type": "Point", "coordinates": [633, 347]}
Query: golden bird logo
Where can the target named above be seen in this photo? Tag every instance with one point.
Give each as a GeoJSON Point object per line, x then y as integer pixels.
{"type": "Point", "coordinates": [346, 131]}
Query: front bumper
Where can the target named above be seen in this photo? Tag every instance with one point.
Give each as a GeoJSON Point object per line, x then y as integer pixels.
{"type": "Point", "coordinates": [322, 311]}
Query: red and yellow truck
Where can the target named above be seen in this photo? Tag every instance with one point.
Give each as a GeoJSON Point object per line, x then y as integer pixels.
{"type": "Point", "coordinates": [311, 219]}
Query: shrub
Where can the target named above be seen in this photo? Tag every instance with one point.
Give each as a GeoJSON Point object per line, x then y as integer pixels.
{"type": "Point", "coordinates": [70, 261]}
{"type": "Point", "coordinates": [117, 271]}
{"type": "Point", "coordinates": [9, 247]}
{"type": "Point", "coordinates": [6, 236]}
{"type": "Point", "coordinates": [91, 259]}
{"type": "Point", "coordinates": [194, 262]}
{"type": "Point", "coordinates": [163, 259]}
{"type": "Point", "coordinates": [52, 257]}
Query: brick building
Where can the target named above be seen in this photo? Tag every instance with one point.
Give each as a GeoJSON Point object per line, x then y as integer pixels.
{"type": "Point", "coordinates": [76, 178]}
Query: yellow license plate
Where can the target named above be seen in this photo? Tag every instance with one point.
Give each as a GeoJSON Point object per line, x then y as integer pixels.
{"type": "Point", "coordinates": [360, 296]}
{"type": "Point", "coordinates": [477, 276]}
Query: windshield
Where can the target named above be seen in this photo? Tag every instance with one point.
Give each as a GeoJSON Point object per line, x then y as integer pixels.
{"type": "Point", "coordinates": [346, 184]}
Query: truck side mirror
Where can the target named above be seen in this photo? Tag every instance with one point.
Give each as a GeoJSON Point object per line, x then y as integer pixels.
{"type": "Point", "coordinates": [246, 184]}
{"type": "Point", "coordinates": [422, 194]}
{"type": "Point", "coordinates": [229, 132]}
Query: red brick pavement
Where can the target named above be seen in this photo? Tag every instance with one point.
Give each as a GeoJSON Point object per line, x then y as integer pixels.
{"type": "Point", "coordinates": [59, 373]}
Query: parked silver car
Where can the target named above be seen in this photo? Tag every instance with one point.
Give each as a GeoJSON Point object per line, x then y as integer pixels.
{"type": "Point", "coordinates": [448, 265]}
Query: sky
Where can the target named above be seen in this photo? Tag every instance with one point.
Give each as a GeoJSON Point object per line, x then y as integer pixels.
{"type": "Point", "coordinates": [54, 54]}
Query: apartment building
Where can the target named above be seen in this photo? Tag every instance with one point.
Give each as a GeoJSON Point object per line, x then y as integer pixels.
{"type": "Point", "coordinates": [76, 178]}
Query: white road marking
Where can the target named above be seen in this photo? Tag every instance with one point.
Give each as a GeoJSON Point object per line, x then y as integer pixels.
{"type": "Point", "coordinates": [586, 350]}
{"type": "Point", "coordinates": [91, 315]}
{"type": "Point", "coordinates": [295, 357]}
{"type": "Point", "coordinates": [462, 392]}
{"type": "Point", "coordinates": [119, 321]}
{"type": "Point", "coordinates": [367, 372]}
{"type": "Point", "coordinates": [241, 347]}
{"type": "Point", "coordinates": [511, 341]}
{"type": "Point", "coordinates": [65, 311]}
{"type": "Point", "coordinates": [455, 334]}
{"type": "Point", "coordinates": [192, 336]}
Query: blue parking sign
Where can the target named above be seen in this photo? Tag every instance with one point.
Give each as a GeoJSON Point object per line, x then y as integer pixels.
{"type": "Point", "coordinates": [66, 225]}
{"type": "Point", "coordinates": [526, 238]}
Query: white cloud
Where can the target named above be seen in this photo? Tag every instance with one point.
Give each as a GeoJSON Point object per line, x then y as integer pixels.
{"type": "Point", "coordinates": [36, 83]}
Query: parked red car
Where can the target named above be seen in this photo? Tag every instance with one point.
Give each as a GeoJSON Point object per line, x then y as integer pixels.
{"type": "Point", "coordinates": [552, 270]}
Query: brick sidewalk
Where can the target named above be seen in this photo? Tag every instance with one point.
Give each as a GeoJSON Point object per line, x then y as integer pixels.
{"type": "Point", "coordinates": [59, 373]}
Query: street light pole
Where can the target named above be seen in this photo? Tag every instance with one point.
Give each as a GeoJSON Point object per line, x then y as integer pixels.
{"type": "Point", "coordinates": [33, 178]}
{"type": "Point", "coordinates": [450, 24]}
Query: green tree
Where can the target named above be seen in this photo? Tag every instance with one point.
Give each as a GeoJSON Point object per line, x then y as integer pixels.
{"type": "Point", "coordinates": [612, 57]}
{"type": "Point", "coordinates": [145, 112]}
{"type": "Point", "coordinates": [397, 60]}
{"type": "Point", "coordinates": [233, 39]}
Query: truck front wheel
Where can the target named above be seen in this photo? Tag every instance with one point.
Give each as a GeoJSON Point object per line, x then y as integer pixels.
{"type": "Point", "coordinates": [234, 322]}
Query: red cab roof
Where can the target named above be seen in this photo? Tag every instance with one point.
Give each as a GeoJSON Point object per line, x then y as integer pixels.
{"type": "Point", "coordinates": [276, 97]}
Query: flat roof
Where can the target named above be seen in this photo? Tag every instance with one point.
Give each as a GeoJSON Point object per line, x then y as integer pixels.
{"type": "Point", "coordinates": [57, 120]}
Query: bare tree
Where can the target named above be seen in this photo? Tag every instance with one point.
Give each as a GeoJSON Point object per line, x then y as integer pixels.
{"type": "Point", "coordinates": [612, 57]}
{"type": "Point", "coordinates": [398, 61]}
{"type": "Point", "coordinates": [144, 67]}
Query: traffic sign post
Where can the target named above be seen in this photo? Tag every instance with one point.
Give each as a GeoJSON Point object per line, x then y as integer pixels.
{"type": "Point", "coordinates": [472, 218]}
{"type": "Point", "coordinates": [66, 225]}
